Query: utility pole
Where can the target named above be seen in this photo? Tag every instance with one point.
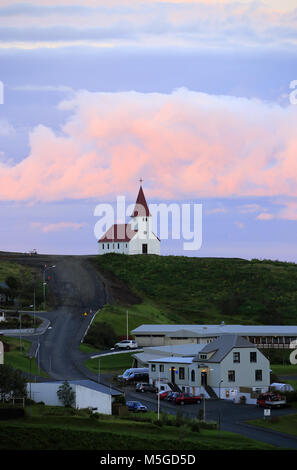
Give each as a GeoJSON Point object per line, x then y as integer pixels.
{"type": "Point", "coordinates": [127, 321]}
{"type": "Point", "coordinates": [99, 370]}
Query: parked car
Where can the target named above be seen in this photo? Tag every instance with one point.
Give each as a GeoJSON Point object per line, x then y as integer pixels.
{"type": "Point", "coordinates": [271, 400]}
{"type": "Point", "coordinates": [171, 396]}
{"type": "Point", "coordinates": [184, 398]}
{"type": "Point", "coordinates": [163, 395]}
{"type": "Point", "coordinates": [145, 387]}
{"type": "Point", "coordinates": [136, 406]}
{"type": "Point", "coordinates": [126, 344]}
{"type": "Point", "coordinates": [140, 374]}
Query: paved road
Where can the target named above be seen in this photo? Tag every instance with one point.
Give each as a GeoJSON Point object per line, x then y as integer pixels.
{"type": "Point", "coordinates": [78, 288]}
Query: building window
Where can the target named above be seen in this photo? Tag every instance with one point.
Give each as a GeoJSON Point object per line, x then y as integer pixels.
{"type": "Point", "coordinates": [108, 246]}
{"type": "Point", "coordinates": [258, 374]}
{"type": "Point", "coordinates": [231, 375]}
{"type": "Point", "coordinates": [161, 367]}
{"type": "Point", "coordinates": [181, 373]}
{"type": "Point", "coordinates": [253, 356]}
{"type": "Point", "coordinates": [102, 246]}
{"type": "Point", "coordinates": [192, 375]}
{"type": "Point", "coordinates": [118, 246]}
{"type": "Point", "coordinates": [113, 246]}
{"type": "Point", "coordinates": [153, 367]}
{"type": "Point", "coordinates": [236, 357]}
{"type": "Point", "coordinates": [203, 356]}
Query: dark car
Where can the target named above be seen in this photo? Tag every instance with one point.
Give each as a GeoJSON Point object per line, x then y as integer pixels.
{"type": "Point", "coordinates": [136, 406]}
{"type": "Point", "coordinates": [184, 398]}
{"type": "Point", "coordinates": [145, 387]}
{"type": "Point", "coordinates": [171, 396]}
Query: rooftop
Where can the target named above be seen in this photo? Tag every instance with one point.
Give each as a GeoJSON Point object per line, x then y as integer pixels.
{"type": "Point", "coordinates": [216, 330]}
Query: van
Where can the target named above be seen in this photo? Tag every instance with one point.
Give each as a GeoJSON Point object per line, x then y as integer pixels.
{"type": "Point", "coordinates": [140, 374]}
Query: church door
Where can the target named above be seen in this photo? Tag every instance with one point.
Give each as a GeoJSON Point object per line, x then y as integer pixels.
{"type": "Point", "coordinates": [144, 248]}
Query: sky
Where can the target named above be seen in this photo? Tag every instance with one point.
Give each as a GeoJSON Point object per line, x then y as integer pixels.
{"type": "Point", "coordinates": [196, 97]}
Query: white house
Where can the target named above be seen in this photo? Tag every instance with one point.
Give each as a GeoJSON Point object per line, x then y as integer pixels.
{"type": "Point", "coordinates": [228, 367]}
{"type": "Point", "coordinates": [88, 394]}
{"type": "Point", "coordinates": [135, 238]}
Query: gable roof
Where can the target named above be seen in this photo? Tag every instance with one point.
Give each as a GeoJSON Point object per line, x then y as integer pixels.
{"type": "Point", "coordinates": [118, 233]}
{"type": "Point", "coordinates": [141, 207]}
{"type": "Point", "coordinates": [222, 346]}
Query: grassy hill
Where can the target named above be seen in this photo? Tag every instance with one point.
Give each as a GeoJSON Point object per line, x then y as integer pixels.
{"type": "Point", "coordinates": [177, 289]}
{"type": "Point", "coordinates": [58, 428]}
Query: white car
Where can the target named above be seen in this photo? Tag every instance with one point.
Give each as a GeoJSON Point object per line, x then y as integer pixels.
{"type": "Point", "coordinates": [126, 344]}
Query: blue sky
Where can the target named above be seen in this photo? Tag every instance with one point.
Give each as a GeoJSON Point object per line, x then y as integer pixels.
{"type": "Point", "coordinates": [237, 58]}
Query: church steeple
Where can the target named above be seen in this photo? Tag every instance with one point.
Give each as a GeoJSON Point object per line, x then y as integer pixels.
{"type": "Point", "coordinates": [141, 208]}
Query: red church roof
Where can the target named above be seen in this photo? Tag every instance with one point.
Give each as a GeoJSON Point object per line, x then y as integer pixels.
{"type": "Point", "coordinates": [141, 207]}
{"type": "Point", "coordinates": [118, 233]}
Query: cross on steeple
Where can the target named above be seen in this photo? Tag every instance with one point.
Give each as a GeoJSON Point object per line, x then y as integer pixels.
{"type": "Point", "coordinates": [141, 181]}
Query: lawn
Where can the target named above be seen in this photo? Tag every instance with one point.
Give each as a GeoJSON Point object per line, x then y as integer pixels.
{"type": "Point", "coordinates": [116, 315]}
{"type": "Point", "coordinates": [50, 428]}
{"type": "Point", "coordinates": [19, 359]}
{"type": "Point", "coordinates": [114, 364]}
{"type": "Point", "coordinates": [177, 289]}
{"type": "Point", "coordinates": [286, 424]}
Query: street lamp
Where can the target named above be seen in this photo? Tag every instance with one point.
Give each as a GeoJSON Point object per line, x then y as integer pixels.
{"type": "Point", "coordinates": [46, 268]}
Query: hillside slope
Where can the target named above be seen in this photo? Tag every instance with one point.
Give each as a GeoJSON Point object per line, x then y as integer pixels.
{"type": "Point", "coordinates": [208, 290]}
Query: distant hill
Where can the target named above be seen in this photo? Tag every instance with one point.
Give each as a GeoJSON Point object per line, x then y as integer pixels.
{"type": "Point", "coordinates": [205, 290]}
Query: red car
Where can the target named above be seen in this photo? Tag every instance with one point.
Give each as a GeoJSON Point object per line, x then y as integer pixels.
{"type": "Point", "coordinates": [183, 398]}
{"type": "Point", "coordinates": [271, 400]}
{"type": "Point", "coordinates": [163, 395]}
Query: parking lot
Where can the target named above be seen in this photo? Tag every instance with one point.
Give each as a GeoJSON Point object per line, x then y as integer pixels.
{"type": "Point", "coordinates": [232, 417]}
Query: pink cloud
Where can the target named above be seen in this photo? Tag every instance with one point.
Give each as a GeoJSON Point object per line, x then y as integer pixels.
{"type": "Point", "coordinates": [184, 144]}
{"type": "Point", "coordinates": [54, 227]}
{"type": "Point", "coordinates": [265, 216]}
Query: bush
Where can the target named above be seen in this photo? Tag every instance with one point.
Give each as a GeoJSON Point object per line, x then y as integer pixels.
{"type": "Point", "coordinates": [101, 335]}
{"type": "Point", "coordinates": [195, 425]}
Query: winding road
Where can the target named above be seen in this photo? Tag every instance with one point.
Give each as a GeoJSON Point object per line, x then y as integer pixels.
{"type": "Point", "coordinates": [78, 288]}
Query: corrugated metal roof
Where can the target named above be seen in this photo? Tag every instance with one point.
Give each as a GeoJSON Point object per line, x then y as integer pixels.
{"type": "Point", "coordinates": [217, 330]}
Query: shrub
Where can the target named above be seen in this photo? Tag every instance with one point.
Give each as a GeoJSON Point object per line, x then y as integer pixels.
{"type": "Point", "coordinates": [101, 335]}
{"type": "Point", "coordinates": [195, 425]}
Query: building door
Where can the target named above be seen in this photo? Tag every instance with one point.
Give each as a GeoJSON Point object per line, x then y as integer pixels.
{"type": "Point", "coordinates": [144, 248]}
{"type": "Point", "coordinates": [173, 375]}
{"type": "Point", "coordinates": [203, 378]}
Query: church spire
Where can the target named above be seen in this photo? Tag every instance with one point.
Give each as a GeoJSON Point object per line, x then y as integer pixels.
{"type": "Point", "coordinates": [141, 208]}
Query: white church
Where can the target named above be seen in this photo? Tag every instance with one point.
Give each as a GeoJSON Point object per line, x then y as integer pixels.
{"type": "Point", "coordinates": [135, 238]}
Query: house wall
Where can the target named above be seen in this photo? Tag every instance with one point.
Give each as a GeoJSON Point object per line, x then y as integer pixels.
{"type": "Point", "coordinates": [153, 244]}
{"type": "Point", "coordinates": [147, 340]}
{"type": "Point", "coordinates": [114, 247]}
{"type": "Point", "coordinates": [86, 397]}
{"type": "Point", "coordinates": [245, 370]}
{"type": "Point", "coordinates": [46, 392]}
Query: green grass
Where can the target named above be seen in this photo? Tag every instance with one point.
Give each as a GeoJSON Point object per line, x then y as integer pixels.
{"type": "Point", "coordinates": [284, 370]}
{"type": "Point", "coordinates": [115, 364]}
{"type": "Point", "coordinates": [20, 359]}
{"type": "Point", "coordinates": [116, 315]}
{"type": "Point", "coordinates": [286, 424]}
{"type": "Point", "coordinates": [177, 289]}
{"type": "Point", "coordinates": [50, 428]}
